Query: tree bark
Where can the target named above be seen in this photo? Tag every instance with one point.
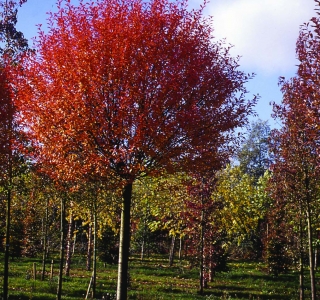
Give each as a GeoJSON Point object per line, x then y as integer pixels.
{"type": "Point", "coordinates": [201, 254]}
{"type": "Point", "coordinates": [124, 244]}
{"type": "Point", "coordinates": [301, 256]}
{"type": "Point", "coordinates": [211, 265]}
{"type": "Point", "coordinates": [7, 246]}
{"type": "Point", "coordinates": [171, 254]}
{"type": "Point", "coordinates": [89, 248]}
{"type": "Point", "coordinates": [143, 240]}
{"type": "Point", "coordinates": [8, 218]}
{"type": "Point", "coordinates": [45, 233]}
{"type": "Point", "coordinates": [74, 243]}
{"type": "Point", "coordinates": [142, 249]}
{"type": "Point", "coordinates": [180, 247]}
{"type": "Point", "coordinates": [311, 254]}
{"type": "Point", "coordinates": [94, 273]}
{"type": "Point", "coordinates": [69, 244]}
{"type": "Point", "coordinates": [310, 237]}
{"type": "Point", "coordinates": [62, 239]}
{"type": "Point", "coordinates": [301, 277]}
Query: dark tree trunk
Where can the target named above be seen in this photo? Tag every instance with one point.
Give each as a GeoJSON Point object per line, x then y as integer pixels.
{"type": "Point", "coordinates": [311, 255]}
{"type": "Point", "coordinates": [301, 277]}
{"type": "Point", "coordinates": [310, 237]}
{"type": "Point", "coordinates": [94, 273]}
{"type": "Point", "coordinates": [124, 244]}
{"type": "Point", "coordinates": [301, 256]}
{"type": "Point", "coordinates": [7, 246]}
{"type": "Point", "coordinates": [201, 265]}
{"type": "Point", "coordinates": [211, 266]}
{"type": "Point", "coordinates": [8, 219]}
{"type": "Point", "coordinates": [62, 240]}
{"type": "Point", "coordinates": [45, 233]}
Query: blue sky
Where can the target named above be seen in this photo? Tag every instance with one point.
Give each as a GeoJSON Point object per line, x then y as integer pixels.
{"type": "Point", "coordinates": [263, 32]}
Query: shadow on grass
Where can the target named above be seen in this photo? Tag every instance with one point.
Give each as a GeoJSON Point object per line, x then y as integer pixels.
{"type": "Point", "coordinates": [169, 290]}
{"type": "Point", "coordinates": [238, 294]}
{"type": "Point", "coordinates": [292, 279]}
{"type": "Point", "coordinates": [25, 297]}
{"type": "Point", "coordinates": [159, 271]}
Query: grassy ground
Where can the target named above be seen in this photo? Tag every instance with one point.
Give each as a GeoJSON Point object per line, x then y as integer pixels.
{"type": "Point", "coordinates": [153, 280]}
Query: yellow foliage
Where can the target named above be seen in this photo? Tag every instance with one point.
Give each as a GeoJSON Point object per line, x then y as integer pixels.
{"type": "Point", "coordinates": [242, 201]}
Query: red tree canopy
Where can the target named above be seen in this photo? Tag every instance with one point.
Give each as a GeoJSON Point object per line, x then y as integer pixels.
{"type": "Point", "coordinates": [129, 87]}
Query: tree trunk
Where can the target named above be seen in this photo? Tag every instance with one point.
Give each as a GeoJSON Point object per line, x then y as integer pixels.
{"type": "Point", "coordinates": [301, 277]}
{"type": "Point", "coordinates": [74, 243]}
{"type": "Point", "coordinates": [180, 247]}
{"type": "Point", "coordinates": [7, 246]}
{"type": "Point", "coordinates": [311, 254]}
{"type": "Point", "coordinates": [94, 274]}
{"type": "Point", "coordinates": [10, 111]}
{"type": "Point", "coordinates": [310, 238]}
{"type": "Point", "coordinates": [89, 248]}
{"type": "Point", "coordinates": [143, 240]}
{"type": "Point", "coordinates": [8, 219]}
{"type": "Point", "coordinates": [69, 244]}
{"type": "Point", "coordinates": [211, 265]}
{"type": "Point", "coordinates": [45, 233]}
{"type": "Point", "coordinates": [62, 239]}
{"type": "Point", "coordinates": [301, 256]}
{"type": "Point", "coordinates": [201, 253]}
{"type": "Point", "coordinates": [142, 249]}
{"type": "Point", "coordinates": [171, 254]}
{"type": "Point", "coordinates": [124, 244]}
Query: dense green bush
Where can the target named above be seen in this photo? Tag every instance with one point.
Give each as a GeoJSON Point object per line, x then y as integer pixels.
{"type": "Point", "coordinates": [108, 246]}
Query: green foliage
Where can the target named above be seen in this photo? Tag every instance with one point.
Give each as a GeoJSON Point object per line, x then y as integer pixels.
{"type": "Point", "coordinates": [253, 155]}
{"type": "Point", "coordinates": [149, 241]}
{"type": "Point", "coordinates": [242, 202]}
{"type": "Point", "coordinates": [16, 236]}
{"type": "Point", "coordinates": [11, 40]}
{"type": "Point", "coordinates": [107, 246]}
{"type": "Point", "coordinates": [160, 202]}
{"type": "Point", "coordinates": [277, 258]}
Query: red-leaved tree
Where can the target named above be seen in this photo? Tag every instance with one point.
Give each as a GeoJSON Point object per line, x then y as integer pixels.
{"type": "Point", "coordinates": [129, 88]}
{"type": "Point", "coordinates": [202, 226]}
{"type": "Point", "coordinates": [12, 42]}
{"type": "Point", "coordinates": [296, 145]}
{"type": "Point", "coordinates": [294, 185]}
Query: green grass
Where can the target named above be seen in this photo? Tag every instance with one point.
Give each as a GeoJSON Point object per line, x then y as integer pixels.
{"type": "Point", "coordinates": [152, 279]}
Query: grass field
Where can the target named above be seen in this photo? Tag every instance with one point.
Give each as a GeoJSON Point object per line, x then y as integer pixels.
{"type": "Point", "coordinates": [152, 279]}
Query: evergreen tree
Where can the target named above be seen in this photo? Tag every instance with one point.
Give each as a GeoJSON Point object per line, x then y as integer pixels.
{"type": "Point", "coordinates": [254, 157]}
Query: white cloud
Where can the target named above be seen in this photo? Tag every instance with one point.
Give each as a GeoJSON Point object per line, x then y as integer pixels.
{"type": "Point", "coordinates": [263, 32]}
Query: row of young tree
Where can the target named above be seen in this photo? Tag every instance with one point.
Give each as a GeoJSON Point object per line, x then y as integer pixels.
{"type": "Point", "coordinates": [121, 123]}
{"type": "Point", "coordinates": [211, 217]}
{"type": "Point", "coordinates": [229, 214]}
